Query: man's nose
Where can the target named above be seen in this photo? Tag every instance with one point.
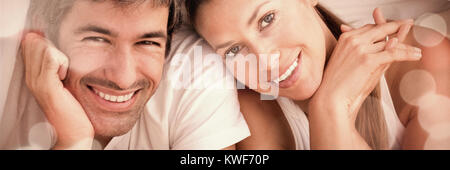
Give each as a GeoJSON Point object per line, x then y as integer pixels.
{"type": "Point", "coordinates": [122, 68]}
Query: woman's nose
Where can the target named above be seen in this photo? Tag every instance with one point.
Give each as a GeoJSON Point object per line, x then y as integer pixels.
{"type": "Point", "coordinates": [268, 56]}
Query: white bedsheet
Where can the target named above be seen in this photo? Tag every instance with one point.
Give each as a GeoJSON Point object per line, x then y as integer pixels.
{"type": "Point", "coordinates": [357, 13]}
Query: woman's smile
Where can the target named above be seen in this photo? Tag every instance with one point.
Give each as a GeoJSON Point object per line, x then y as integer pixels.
{"type": "Point", "coordinates": [290, 76]}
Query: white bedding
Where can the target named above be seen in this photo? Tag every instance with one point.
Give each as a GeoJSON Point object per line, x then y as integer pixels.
{"type": "Point", "coordinates": [357, 13]}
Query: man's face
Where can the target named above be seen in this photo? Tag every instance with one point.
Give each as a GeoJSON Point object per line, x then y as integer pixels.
{"type": "Point", "coordinates": [116, 58]}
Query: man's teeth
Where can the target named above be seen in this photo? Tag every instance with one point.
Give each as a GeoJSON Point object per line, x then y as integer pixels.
{"type": "Point", "coordinates": [112, 98]}
{"type": "Point", "coordinates": [287, 73]}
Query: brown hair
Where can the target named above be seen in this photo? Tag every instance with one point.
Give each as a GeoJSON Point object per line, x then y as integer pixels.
{"type": "Point", "coordinates": [370, 121]}
{"type": "Point", "coordinates": [46, 15]}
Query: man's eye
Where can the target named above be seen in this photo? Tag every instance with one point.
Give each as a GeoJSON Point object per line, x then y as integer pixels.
{"type": "Point", "coordinates": [148, 43]}
{"type": "Point", "coordinates": [266, 20]}
{"type": "Point", "coordinates": [233, 51]}
{"type": "Point", "coordinates": [97, 39]}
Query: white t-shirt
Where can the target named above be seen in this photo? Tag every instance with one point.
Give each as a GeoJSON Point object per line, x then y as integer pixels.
{"type": "Point", "coordinates": [201, 114]}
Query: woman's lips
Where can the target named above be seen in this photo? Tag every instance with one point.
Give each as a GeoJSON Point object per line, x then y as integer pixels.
{"type": "Point", "coordinates": [292, 75]}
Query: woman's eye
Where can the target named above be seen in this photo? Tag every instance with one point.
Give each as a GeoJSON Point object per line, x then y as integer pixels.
{"type": "Point", "coordinates": [97, 39]}
{"type": "Point", "coordinates": [233, 51]}
{"type": "Point", "coordinates": [148, 43]}
{"type": "Point", "coordinates": [267, 20]}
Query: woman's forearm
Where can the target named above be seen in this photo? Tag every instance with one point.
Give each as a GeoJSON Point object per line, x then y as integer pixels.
{"type": "Point", "coordinates": [332, 129]}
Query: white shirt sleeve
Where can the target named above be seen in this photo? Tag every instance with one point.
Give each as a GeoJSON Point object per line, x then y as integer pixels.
{"type": "Point", "coordinates": [207, 115]}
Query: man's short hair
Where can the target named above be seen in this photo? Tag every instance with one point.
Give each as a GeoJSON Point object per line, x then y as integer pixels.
{"type": "Point", "coordinates": [46, 15]}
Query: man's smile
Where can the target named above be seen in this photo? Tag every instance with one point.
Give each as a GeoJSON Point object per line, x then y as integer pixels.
{"type": "Point", "coordinates": [113, 100]}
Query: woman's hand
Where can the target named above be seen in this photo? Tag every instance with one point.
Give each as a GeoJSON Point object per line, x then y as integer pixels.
{"type": "Point", "coordinates": [45, 68]}
{"type": "Point", "coordinates": [355, 67]}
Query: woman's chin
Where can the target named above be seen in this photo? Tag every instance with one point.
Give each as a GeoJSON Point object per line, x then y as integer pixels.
{"type": "Point", "coordinates": [299, 92]}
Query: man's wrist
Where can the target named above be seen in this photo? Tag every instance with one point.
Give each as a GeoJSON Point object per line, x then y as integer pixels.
{"type": "Point", "coordinates": [83, 144]}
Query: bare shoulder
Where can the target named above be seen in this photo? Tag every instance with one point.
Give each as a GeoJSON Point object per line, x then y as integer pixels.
{"type": "Point", "coordinates": [435, 61]}
{"type": "Point", "coordinates": [269, 128]}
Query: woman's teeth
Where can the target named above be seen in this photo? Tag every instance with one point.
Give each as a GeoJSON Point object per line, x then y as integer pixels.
{"type": "Point", "coordinates": [287, 73]}
{"type": "Point", "coordinates": [112, 98]}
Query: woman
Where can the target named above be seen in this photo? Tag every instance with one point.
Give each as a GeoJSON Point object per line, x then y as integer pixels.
{"type": "Point", "coordinates": [332, 84]}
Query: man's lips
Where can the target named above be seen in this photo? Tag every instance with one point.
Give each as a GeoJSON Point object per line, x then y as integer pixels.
{"type": "Point", "coordinates": [112, 100]}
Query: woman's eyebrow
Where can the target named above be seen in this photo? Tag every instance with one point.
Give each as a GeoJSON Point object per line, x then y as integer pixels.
{"type": "Point", "coordinates": [250, 21]}
{"type": "Point", "coordinates": [223, 45]}
{"type": "Point", "coordinates": [255, 13]}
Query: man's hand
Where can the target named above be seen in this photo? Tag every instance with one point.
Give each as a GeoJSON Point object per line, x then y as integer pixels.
{"type": "Point", "coordinates": [45, 68]}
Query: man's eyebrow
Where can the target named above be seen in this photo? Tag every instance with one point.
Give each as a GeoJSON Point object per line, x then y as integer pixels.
{"type": "Point", "coordinates": [155, 34]}
{"type": "Point", "coordinates": [255, 13]}
{"type": "Point", "coordinates": [94, 28]}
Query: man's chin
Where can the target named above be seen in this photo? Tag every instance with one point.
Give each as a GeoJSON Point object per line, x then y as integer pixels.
{"type": "Point", "coordinates": [113, 124]}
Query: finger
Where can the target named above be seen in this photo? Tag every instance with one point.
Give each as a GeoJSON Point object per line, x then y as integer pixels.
{"type": "Point", "coordinates": [32, 54]}
{"type": "Point", "coordinates": [403, 32]}
{"type": "Point", "coordinates": [360, 30]}
{"type": "Point", "coordinates": [377, 47]}
{"type": "Point", "coordinates": [64, 65]}
{"type": "Point", "coordinates": [41, 46]}
{"type": "Point", "coordinates": [398, 54]}
{"type": "Point", "coordinates": [404, 46]}
{"type": "Point", "coordinates": [26, 32]}
{"type": "Point", "coordinates": [24, 47]}
{"type": "Point", "coordinates": [346, 28]}
{"type": "Point", "coordinates": [391, 43]}
{"type": "Point", "coordinates": [380, 31]}
{"type": "Point", "coordinates": [382, 45]}
{"type": "Point", "coordinates": [378, 16]}
{"type": "Point", "coordinates": [55, 63]}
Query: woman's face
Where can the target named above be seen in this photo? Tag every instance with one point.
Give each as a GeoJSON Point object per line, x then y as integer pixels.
{"type": "Point", "coordinates": [286, 39]}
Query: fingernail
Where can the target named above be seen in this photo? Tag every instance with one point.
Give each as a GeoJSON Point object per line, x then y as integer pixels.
{"type": "Point", "coordinates": [418, 54]}
{"type": "Point", "coordinates": [393, 43]}
{"type": "Point", "coordinates": [418, 50]}
{"type": "Point", "coordinates": [395, 40]}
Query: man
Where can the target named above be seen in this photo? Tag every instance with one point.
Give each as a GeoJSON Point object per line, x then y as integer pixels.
{"type": "Point", "coordinates": [93, 80]}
